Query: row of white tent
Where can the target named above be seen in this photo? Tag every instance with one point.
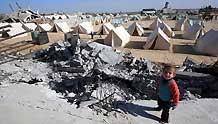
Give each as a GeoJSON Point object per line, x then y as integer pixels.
{"type": "Point", "coordinates": [119, 37]}
{"type": "Point", "coordinates": [163, 26]}
{"type": "Point", "coordinates": [158, 39]}
{"type": "Point", "coordinates": [207, 44]}
{"type": "Point", "coordinates": [56, 17]}
{"type": "Point", "coordinates": [191, 32]}
{"type": "Point", "coordinates": [86, 28]}
{"type": "Point", "coordinates": [17, 28]}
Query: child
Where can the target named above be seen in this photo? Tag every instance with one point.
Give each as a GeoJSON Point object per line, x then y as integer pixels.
{"type": "Point", "coordinates": [168, 93]}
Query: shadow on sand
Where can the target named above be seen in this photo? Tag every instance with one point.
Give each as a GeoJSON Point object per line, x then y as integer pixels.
{"type": "Point", "coordinates": [136, 110]}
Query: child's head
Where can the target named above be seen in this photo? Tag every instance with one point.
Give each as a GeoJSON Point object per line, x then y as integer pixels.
{"type": "Point", "coordinates": [169, 71]}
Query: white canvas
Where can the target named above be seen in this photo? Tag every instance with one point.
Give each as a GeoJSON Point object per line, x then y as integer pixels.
{"type": "Point", "coordinates": [167, 30]}
{"type": "Point", "coordinates": [30, 26]}
{"type": "Point", "coordinates": [182, 25]}
{"type": "Point", "coordinates": [208, 43]}
{"type": "Point", "coordinates": [105, 28]}
{"type": "Point", "coordinates": [158, 40]}
{"type": "Point", "coordinates": [135, 29]}
{"type": "Point", "coordinates": [15, 29]}
{"type": "Point", "coordinates": [194, 32]}
{"type": "Point", "coordinates": [63, 27]}
{"type": "Point", "coordinates": [117, 37]}
{"type": "Point", "coordinates": [157, 23]}
{"type": "Point", "coordinates": [85, 28]}
{"type": "Point", "coordinates": [44, 27]}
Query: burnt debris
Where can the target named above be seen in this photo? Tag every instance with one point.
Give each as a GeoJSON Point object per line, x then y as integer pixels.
{"type": "Point", "coordinates": [99, 76]}
{"type": "Point", "coordinates": [89, 69]}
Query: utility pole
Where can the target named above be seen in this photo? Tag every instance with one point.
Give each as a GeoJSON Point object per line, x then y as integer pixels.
{"type": "Point", "coordinates": [18, 6]}
{"type": "Point", "coordinates": [11, 7]}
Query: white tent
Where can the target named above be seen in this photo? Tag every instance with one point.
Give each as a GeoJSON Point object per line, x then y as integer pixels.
{"type": "Point", "coordinates": [63, 27]}
{"type": "Point", "coordinates": [98, 20]}
{"type": "Point", "coordinates": [45, 27]}
{"type": "Point", "coordinates": [105, 28]}
{"type": "Point", "coordinates": [158, 40]}
{"type": "Point", "coordinates": [104, 19]}
{"type": "Point", "coordinates": [182, 24]}
{"type": "Point", "coordinates": [3, 24]}
{"type": "Point", "coordinates": [63, 16]}
{"type": "Point", "coordinates": [117, 37]}
{"type": "Point", "coordinates": [16, 29]}
{"type": "Point", "coordinates": [157, 23]}
{"type": "Point", "coordinates": [30, 26]}
{"type": "Point", "coordinates": [194, 32]}
{"type": "Point", "coordinates": [85, 28]}
{"type": "Point", "coordinates": [208, 43]}
{"type": "Point", "coordinates": [135, 29]}
{"type": "Point", "coordinates": [167, 30]}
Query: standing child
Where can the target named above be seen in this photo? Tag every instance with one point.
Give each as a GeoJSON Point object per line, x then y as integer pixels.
{"type": "Point", "coordinates": [168, 92]}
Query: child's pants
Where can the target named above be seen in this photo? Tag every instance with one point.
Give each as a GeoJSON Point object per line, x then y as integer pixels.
{"type": "Point", "coordinates": [165, 105]}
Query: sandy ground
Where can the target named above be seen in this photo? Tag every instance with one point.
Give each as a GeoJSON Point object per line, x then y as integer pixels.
{"type": "Point", "coordinates": [36, 104]}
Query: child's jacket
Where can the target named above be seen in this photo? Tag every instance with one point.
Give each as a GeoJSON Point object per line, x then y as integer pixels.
{"type": "Point", "coordinates": [168, 90]}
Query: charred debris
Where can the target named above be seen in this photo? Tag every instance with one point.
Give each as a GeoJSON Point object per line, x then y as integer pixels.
{"type": "Point", "coordinates": [99, 76]}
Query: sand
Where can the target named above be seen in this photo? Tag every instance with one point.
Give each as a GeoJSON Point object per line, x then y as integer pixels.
{"type": "Point", "coordinates": [36, 104]}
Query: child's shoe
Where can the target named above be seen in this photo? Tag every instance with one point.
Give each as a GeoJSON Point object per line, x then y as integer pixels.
{"type": "Point", "coordinates": [157, 109]}
{"type": "Point", "coordinates": [161, 122]}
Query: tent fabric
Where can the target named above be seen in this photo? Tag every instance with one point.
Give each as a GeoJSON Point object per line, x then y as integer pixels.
{"type": "Point", "coordinates": [167, 30]}
{"type": "Point", "coordinates": [164, 27]}
{"type": "Point", "coordinates": [157, 23]}
{"type": "Point", "coordinates": [45, 27]}
{"type": "Point", "coordinates": [117, 37]}
{"type": "Point", "coordinates": [135, 29]}
{"type": "Point", "coordinates": [3, 24]}
{"type": "Point", "coordinates": [85, 28]}
{"type": "Point", "coordinates": [30, 26]}
{"type": "Point", "coordinates": [98, 20]}
{"type": "Point", "coordinates": [158, 40]}
{"type": "Point", "coordinates": [208, 43]}
{"type": "Point", "coordinates": [182, 24]}
{"type": "Point", "coordinates": [15, 29]}
{"type": "Point", "coordinates": [194, 32]}
{"type": "Point", "coordinates": [62, 27]}
{"type": "Point", "coordinates": [105, 28]}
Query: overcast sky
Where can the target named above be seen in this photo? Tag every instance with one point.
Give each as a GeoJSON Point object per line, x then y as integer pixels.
{"type": "Point", "coordinates": [100, 5]}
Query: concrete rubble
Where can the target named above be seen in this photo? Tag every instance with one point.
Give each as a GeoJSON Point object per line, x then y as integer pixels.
{"type": "Point", "coordinates": [92, 71]}
{"type": "Point", "coordinates": [199, 78]}
{"type": "Point", "coordinates": [89, 73]}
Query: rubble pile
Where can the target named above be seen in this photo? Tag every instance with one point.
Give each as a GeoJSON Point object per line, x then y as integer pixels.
{"type": "Point", "coordinates": [27, 71]}
{"type": "Point", "coordinates": [97, 75]}
{"type": "Point", "coordinates": [198, 78]}
{"type": "Point", "coordinates": [90, 70]}
{"type": "Point", "coordinates": [192, 66]}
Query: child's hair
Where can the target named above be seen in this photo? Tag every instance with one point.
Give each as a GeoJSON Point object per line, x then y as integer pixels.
{"type": "Point", "coordinates": [167, 67]}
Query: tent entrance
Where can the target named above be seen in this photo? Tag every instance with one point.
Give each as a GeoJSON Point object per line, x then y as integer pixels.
{"type": "Point", "coordinates": [154, 43]}
{"type": "Point", "coordinates": [135, 32]}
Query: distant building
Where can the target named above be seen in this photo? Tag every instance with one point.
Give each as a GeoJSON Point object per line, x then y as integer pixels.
{"type": "Point", "coordinates": [148, 12]}
{"type": "Point", "coordinates": [167, 10]}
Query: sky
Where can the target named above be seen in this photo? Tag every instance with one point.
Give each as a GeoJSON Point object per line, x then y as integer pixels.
{"type": "Point", "coordinates": [46, 6]}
